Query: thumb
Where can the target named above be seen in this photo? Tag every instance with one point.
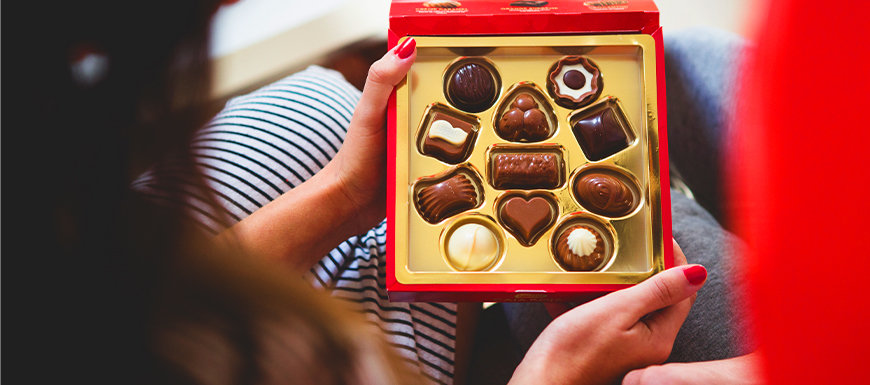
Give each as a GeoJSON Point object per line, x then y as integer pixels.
{"type": "Point", "coordinates": [661, 290]}
{"type": "Point", "coordinates": [383, 76]}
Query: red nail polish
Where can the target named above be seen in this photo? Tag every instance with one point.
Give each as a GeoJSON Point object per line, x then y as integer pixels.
{"type": "Point", "coordinates": [406, 48]}
{"type": "Point", "coordinates": [695, 274]}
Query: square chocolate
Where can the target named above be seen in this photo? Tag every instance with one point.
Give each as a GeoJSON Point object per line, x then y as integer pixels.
{"type": "Point", "coordinates": [602, 130]}
{"type": "Point", "coordinates": [448, 137]}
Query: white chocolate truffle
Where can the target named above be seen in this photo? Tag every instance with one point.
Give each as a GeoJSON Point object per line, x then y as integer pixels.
{"type": "Point", "coordinates": [581, 242]}
{"type": "Point", "coordinates": [443, 130]}
{"type": "Point", "coordinates": [472, 247]}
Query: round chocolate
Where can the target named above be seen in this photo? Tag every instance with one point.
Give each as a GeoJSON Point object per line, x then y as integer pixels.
{"type": "Point", "coordinates": [535, 124]}
{"type": "Point", "coordinates": [472, 88]}
{"type": "Point", "coordinates": [525, 102]}
{"type": "Point", "coordinates": [574, 79]}
{"type": "Point", "coordinates": [583, 251]}
{"type": "Point", "coordinates": [472, 247]}
{"type": "Point", "coordinates": [567, 83]}
{"type": "Point", "coordinates": [604, 194]}
{"type": "Point", "coordinates": [511, 119]}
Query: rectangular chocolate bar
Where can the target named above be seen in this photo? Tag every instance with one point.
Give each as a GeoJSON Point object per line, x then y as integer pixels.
{"type": "Point", "coordinates": [525, 171]}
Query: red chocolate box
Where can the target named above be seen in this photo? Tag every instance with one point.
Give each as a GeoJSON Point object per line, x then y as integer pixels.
{"type": "Point", "coordinates": [527, 151]}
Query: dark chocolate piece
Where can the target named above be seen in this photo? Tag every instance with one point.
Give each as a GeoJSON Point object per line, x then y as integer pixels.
{"type": "Point", "coordinates": [528, 3]}
{"type": "Point", "coordinates": [604, 194]}
{"type": "Point", "coordinates": [525, 171]}
{"type": "Point", "coordinates": [574, 262]}
{"type": "Point", "coordinates": [524, 121]}
{"type": "Point", "coordinates": [447, 198]}
{"type": "Point", "coordinates": [601, 131]}
{"type": "Point", "coordinates": [574, 79]}
{"type": "Point", "coordinates": [527, 218]}
{"type": "Point", "coordinates": [442, 147]}
{"type": "Point", "coordinates": [472, 88]}
{"type": "Point", "coordinates": [576, 92]}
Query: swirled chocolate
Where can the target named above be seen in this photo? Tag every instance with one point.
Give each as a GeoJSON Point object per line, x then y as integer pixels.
{"type": "Point", "coordinates": [446, 198]}
{"type": "Point", "coordinates": [604, 194]}
{"type": "Point", "coordinates": [526, 171]}
{"type": "Point", "coordinates": [472, 87]}
{"type": "Point", "coordinates": [580, 248]}
{"type": "Point", "coordinates": [524, 121]}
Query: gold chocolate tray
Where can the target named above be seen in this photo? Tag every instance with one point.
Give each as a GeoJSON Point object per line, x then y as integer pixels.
{"type": "Point", "coordinates": [628, 70]}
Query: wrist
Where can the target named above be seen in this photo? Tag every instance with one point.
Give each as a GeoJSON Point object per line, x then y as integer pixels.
{"type": "Point", "coordinates": [344, 196]}
{"type": "Point", "coordinates": [551, 361]}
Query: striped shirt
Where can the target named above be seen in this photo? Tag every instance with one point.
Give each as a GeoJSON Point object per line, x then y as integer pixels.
{"type": "Point", "coordinates": [269, 141]}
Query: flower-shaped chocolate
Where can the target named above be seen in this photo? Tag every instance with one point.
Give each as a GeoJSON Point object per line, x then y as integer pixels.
{"type": "Point", "coordinates": [574, 82]}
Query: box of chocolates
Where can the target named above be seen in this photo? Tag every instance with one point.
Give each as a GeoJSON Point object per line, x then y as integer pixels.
{"type": "Point", "coordinates": [527, 151]}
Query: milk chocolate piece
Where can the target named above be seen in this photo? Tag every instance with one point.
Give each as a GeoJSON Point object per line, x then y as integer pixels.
{"type": "Point", "coordinates": [580, 248]}
{"type": "Point", "coordinates": [602, 131]}
{"type": "Point", "coordinates": [524, 121]}
{"type": "Point", "coordinates": [448, 138]}
{"type": "Point", "coordinates": [472, 87]}
{"type": "Point", "coordinates": [526, 171]}
{"type": "Point", "coordinates": [574, 82]}
{"type": "Point", "coordinates": [604, 194]}
{"type": "Point", "coordinates": [527, 218]}
{"type": "Point", "coordinates": [447, 198]}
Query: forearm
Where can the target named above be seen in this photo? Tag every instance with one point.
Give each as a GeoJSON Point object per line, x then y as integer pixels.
{"type": "Point", "coordinates": [301, 226]}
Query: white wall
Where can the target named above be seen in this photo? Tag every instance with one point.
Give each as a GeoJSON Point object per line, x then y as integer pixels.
{"type": "Point", "coordinates": [730, 15]}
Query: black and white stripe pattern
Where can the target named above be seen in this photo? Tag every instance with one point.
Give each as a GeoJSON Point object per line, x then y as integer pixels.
{"type": "Point", "coordinates": [267, 142]}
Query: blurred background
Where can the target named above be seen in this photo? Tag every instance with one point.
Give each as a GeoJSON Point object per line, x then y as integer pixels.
{"type": "Point", "coordinates": [259, 41]}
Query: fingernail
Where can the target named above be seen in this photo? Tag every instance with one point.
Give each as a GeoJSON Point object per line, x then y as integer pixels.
{"type": "Point", "coordinates": [695, 274]}
{"type": "Point", "coordinates": [406, 48]}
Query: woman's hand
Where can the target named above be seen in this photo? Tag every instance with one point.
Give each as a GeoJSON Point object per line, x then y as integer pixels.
{"type": "Point", "coordinates": [742, 370]}
{"type": "Point", "coordinates": [346, 197]}
{"type": "Point", "coordinates": [360, 165]}
{"type": "Point", "coordinates": [600, 341]}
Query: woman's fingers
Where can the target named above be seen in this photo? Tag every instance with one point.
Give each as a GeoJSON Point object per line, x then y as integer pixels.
{"type": "Point", "coordinates": [742, 370]}
{"type": "Point", "coordinates": [383, 76]}
{"type": "Point", "coordinates": [660, 291]}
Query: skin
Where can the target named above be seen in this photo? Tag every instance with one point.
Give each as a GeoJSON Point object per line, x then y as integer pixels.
{"type": "Point", "coordinates": [595, 343]}
{"type": "Point", "coordinates": [741, 370]}
{"type": "Point", "coordinates": [347, 197]}
{"type": "Point", "coordinates": [600, 341]}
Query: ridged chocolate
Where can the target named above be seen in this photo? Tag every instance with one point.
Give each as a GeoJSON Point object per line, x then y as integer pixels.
{"type": "Point", "coordinates": [570, 261]}
{"type": "Point", "coordinates": [446, 198]}
{"type": "Point", "coordinates": [524, 121]}
{"type": "Point", "coordinates": [525, 171]}
{"type": "Point", "coordinates": [472, 88]}
{"type": "Point", "coordinates": [604, 194]}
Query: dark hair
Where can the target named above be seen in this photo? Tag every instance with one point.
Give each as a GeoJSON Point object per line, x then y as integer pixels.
{"type": "Point", "coordinates": [110, 288]}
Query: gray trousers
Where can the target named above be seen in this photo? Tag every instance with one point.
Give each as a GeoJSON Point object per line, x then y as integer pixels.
{"type": "Point", "coordinates": [701, 65]}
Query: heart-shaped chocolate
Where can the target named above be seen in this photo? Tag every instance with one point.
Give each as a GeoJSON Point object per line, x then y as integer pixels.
{"type": "Point", "coordinates": [527, 218]}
